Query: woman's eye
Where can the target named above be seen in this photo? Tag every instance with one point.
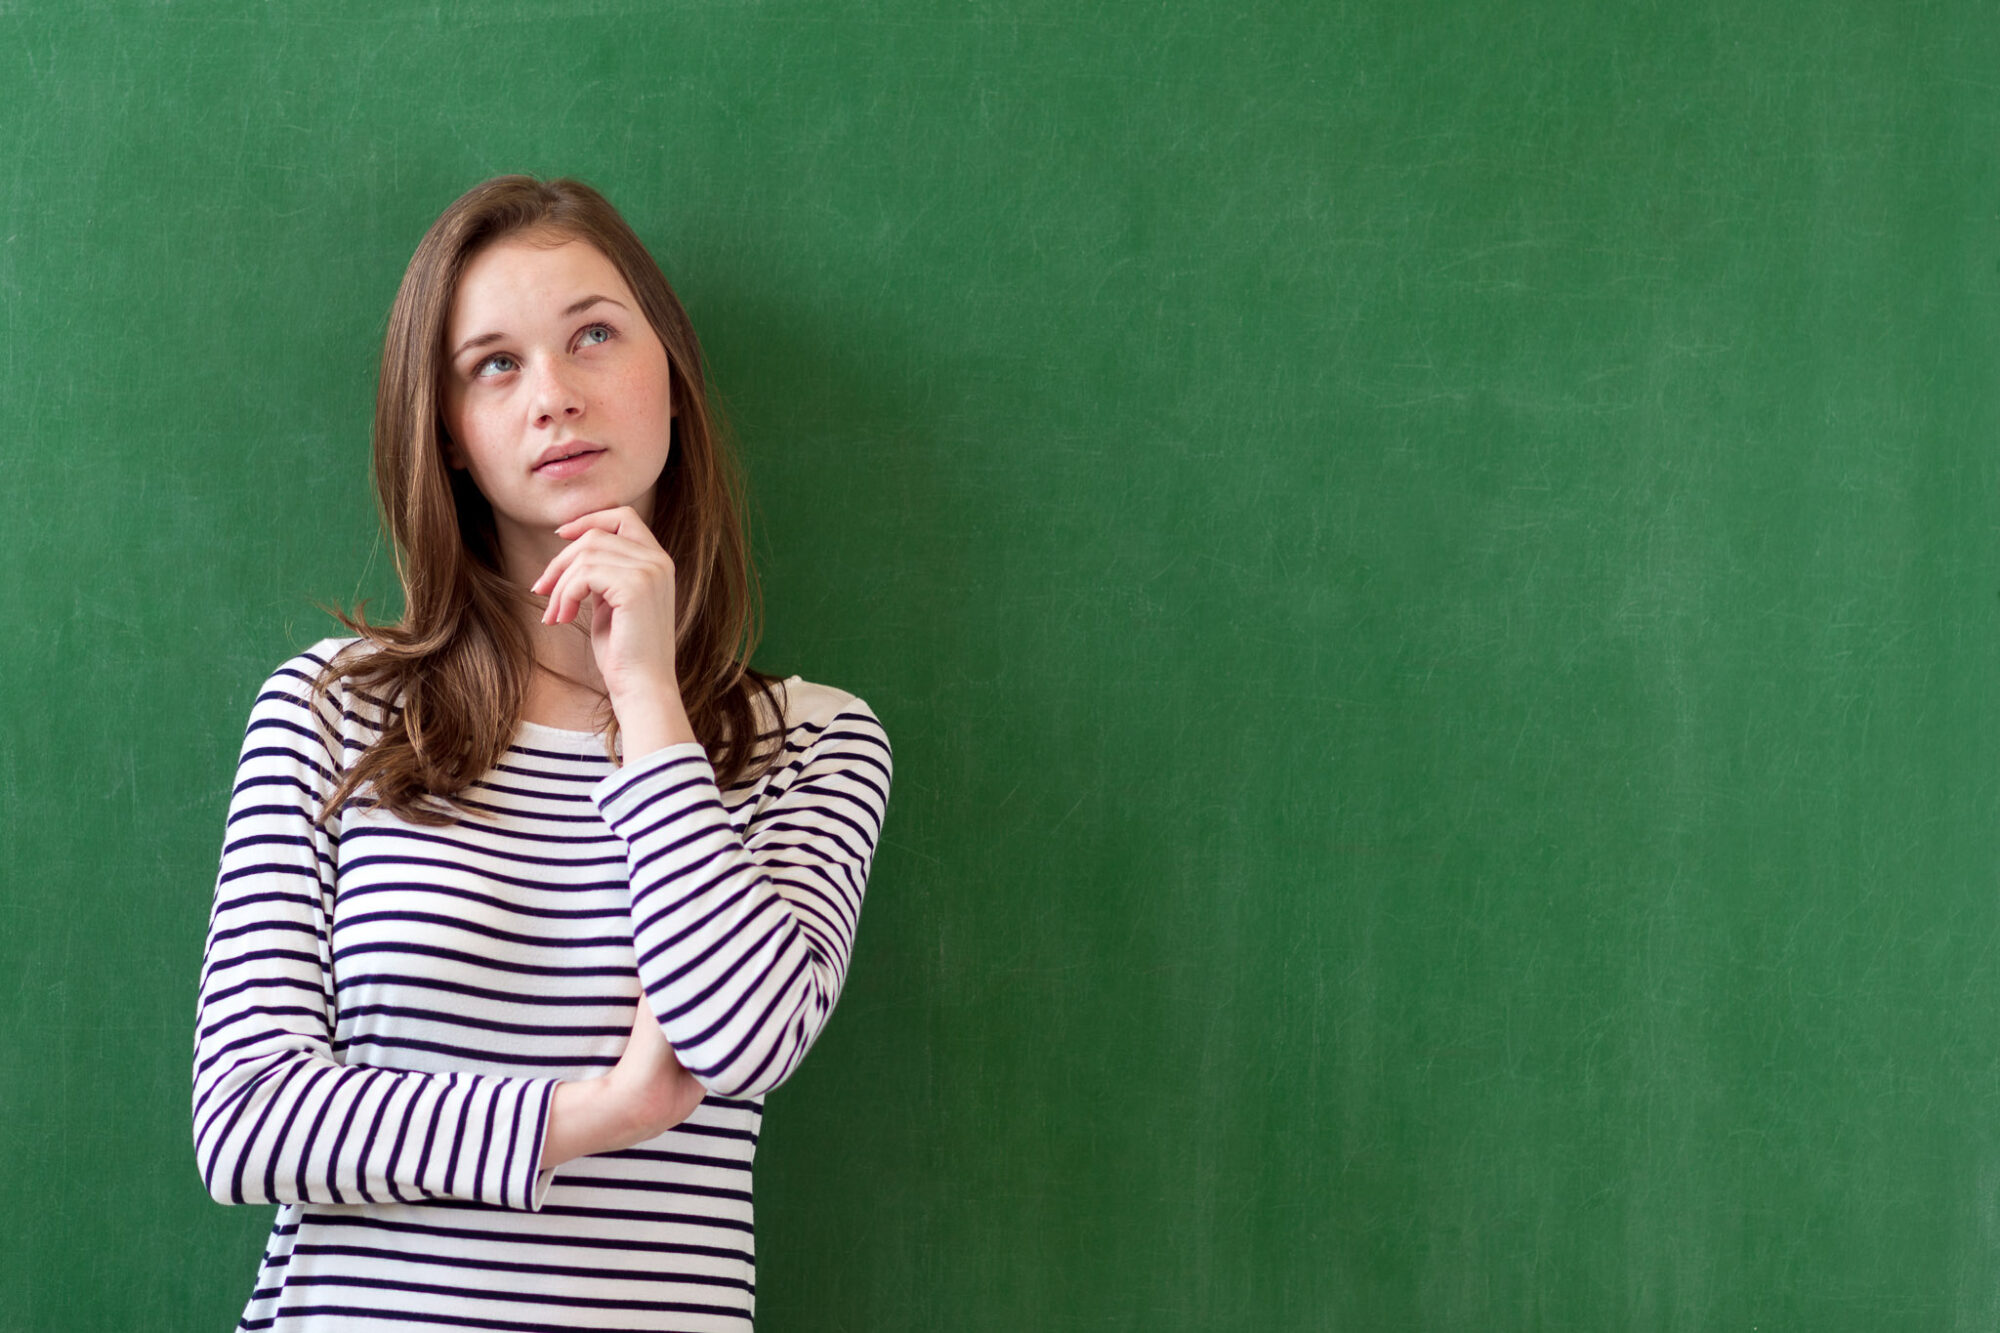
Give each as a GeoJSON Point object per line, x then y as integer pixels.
{"type": "Point", "coordinates": [499, 363]}
{"type": "Point", "coordinates": [596, 333]}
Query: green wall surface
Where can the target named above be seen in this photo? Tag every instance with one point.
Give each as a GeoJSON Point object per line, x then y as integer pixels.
{"type": "Point", "coordinates": [1433, 570]}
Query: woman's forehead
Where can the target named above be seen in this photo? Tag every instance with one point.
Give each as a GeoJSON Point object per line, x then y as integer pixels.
{"type": "Point", "coordinates": [522, 279]}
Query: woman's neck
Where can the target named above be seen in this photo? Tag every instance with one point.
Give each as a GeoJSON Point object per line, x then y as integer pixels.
{"type": "Point", "coordinates": [564, 690]}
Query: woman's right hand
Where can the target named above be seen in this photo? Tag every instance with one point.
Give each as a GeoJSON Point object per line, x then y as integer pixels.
{"type": "Point", "coordinates": [646, 1094]}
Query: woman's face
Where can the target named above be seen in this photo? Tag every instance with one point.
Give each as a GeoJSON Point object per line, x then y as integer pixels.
{"type": "Point", "coordinates": [557, 396]}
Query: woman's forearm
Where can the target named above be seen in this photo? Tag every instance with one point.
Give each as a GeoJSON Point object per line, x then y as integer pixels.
{"type": "Point", "coordinates": [645, 1094]}
{"type": "Point", "coordinates": [583, 1120]}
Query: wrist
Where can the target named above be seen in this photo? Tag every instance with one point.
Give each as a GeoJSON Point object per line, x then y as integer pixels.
{"type": "Point", "coordinates": [584, 1118]}
{"type": "Point", "coordinates": [651, 719]}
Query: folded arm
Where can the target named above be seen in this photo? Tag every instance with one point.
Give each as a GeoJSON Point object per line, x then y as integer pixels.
{"type": "Point", "coordinates": [278, 1117]}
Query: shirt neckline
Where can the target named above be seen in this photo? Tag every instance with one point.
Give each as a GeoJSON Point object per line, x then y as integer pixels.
{"type": "Point", "coordinates": [596, 738]}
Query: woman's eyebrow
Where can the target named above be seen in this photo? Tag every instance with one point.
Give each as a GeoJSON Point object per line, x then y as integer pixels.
{"type": "Point", "coordinates": [574, 308]}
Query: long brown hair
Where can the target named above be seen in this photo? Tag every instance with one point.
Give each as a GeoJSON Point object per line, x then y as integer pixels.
{"type": "Point", "coordinates": [454, 671]}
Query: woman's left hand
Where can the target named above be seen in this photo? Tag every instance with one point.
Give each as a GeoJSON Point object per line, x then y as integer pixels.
{"type": "Point", "coordinates": [613, 557]}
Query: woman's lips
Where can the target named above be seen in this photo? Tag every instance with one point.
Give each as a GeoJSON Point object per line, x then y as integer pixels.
{"type": "Point", "coordinates": [569, 466]}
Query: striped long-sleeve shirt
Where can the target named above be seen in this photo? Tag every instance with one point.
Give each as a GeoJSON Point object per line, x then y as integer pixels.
{"type": "Point", "coordinates": [386, 1009]}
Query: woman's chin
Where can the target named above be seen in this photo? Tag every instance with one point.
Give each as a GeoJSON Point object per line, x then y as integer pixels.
{"type": "Point", "coordinates": [569, 513]}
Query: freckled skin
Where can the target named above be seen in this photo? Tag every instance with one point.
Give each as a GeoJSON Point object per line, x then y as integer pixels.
{"type": "Point", "coordinates": [599, 375]}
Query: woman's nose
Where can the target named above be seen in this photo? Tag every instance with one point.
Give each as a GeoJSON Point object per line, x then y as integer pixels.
{"type": "Point", "coordinates": [556, 397]}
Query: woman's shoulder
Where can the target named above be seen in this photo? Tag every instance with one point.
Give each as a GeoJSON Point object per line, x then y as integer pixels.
{"type": "Point", "coordinates": [831, 733]}
{"type": "Point", "coordinates": [815, 712]}
{"type": "Point", "coordinates": [295, 675]}
{"type": "Point", "coordinates": [294, 678]}
{"type": "Point", "coordinates": [809, 703]}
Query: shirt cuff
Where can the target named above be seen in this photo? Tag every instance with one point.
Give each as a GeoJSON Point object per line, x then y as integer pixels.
{"type": "Point", "coordinates": [633, 786]}
{"type": "Point", "coordinates": [532, 1184]}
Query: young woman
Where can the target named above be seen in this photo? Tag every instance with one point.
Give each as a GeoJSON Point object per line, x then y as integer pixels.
{"type": "Point", "coordinates": [528, 899]}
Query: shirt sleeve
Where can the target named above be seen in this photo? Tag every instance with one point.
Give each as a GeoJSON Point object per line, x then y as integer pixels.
{"type": "Point", "coordinates": [279, 1117]}
{"type": "Point", "coordinates": [743, 938]}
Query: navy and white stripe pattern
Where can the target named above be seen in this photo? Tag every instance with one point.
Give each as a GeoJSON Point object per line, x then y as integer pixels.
{"type": "Point", "coordinates": [386, 1009]}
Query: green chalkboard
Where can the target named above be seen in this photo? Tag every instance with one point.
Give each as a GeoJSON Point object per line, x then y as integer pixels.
{"type": "Point", "coordinates": [1433, 570]}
